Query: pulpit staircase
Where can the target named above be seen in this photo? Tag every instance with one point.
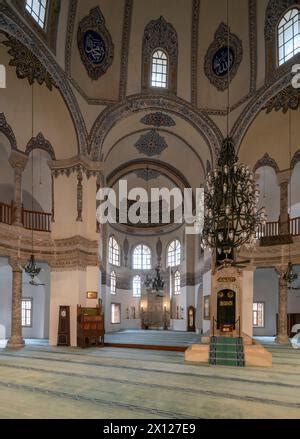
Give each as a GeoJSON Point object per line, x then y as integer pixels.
{"type": "Point", "coordinates": [226, 351]}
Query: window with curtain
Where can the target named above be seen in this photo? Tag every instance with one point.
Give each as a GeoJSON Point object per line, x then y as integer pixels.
{"type": "Point", "coordinates": [258, 314]}
{"type": "Point", "coordinates": [113, 283]}
{"type": "Point", "coordinates": [177, 283]}
{"type": "Point", "coordinates": [37, 9]}
{"type": "Point", "coordinates": [289, 36]}
{"type": "Point", "coordinates": [137, 286]}
{"type": "Point", "coordinates": [113, 251]}
{"type": "Point", "coordinates": [142, 257]}
{"type": "Point", "coordinates": [159, 69]}
{"type": "Point", "coordinates": [27, 312]}
{"type": "Point", "coordinates": [174, 253]}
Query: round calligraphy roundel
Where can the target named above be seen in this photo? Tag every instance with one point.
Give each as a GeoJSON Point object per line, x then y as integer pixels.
{"type": "Point", "coordinates": [221, 62]}
{"type": "Point", "coordinates": [94, 47]}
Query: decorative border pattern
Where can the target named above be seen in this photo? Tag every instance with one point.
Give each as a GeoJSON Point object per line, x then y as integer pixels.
{"type": "Point", "coordinates": [26, 63]}
{"type": "Point", "coordinates": [147, 174]}
{"type": "Point", "coordinates": [12, 25]}
{"type": "Point", "coordinates": [110, 116]}
{"type": "Point", "coordinates": [95, 21]}
{"type": "Point", "coordinates": [295, 159]}
{"type": "Point", "coordinates": [151, 143]}
{"type": "Point", "coordinates": [39, 142]}
{"type": "Point", "coordinates": [289, 98]}
{"type": "Point", "coordinates": [6, 129]}
{"type": "Point", "coordinates": [266, 160]}
{"type": "Point", "coordinates": [221, 40]}
{"type": "Point", "coordinates": [194, 51]}
{"type": "Point", "coordinates": [158, 120]}
{"type": "Point", "coordinates": [79, 196]}
{"type": "Point", "coordinates": [125, 48]}
{"type": "Point", "coordinates": [70, 30]}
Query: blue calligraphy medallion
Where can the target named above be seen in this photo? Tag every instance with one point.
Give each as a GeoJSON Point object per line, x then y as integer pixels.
{"type": "Point", "coordinates": [94, 47]}
{"type": "Point", "coordinates": [221, 62]}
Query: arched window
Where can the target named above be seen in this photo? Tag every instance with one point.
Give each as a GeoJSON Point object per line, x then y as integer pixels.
{"type": "Point", "coordinates": [174, 253]}
{"type": "Point", "coordinates": [113, 251]}
{"type": "Point", "coordinates": [37, 9]}
{"type": "Point", "coordinates": [142, 257]}
{"type": "Point", "coordinates": [113, 283]}
{"type": "Point", "coordinates": [159, 69]}
{"type": "Point", "coordinates": [177, 283]}
{"type": "Point", "coordinates": [137, 286]}
{"type": "Point", "coordinates": [289, 36]}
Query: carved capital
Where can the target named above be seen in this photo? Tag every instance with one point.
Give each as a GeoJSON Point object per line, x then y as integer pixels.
{"type": "Point", "coordinates": [18, 160]}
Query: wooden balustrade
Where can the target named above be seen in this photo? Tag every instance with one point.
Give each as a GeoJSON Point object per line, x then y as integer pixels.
{"type": "Point", "coordinates": [39, 221]}
{"type": "Point", "coordinates": [295, 226]}
{"type": "Point", "coordinates": [269, 229]}
{"type": "Point", "coordinates": [5, 213]}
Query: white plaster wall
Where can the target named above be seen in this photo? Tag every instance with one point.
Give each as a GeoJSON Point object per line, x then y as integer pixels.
{"type": "Point", "coordinates": [266, 290]}
{"type": "Point", "coordinates": [6, 172]}
{"type": "Point", "coordinates": [206, 292]}
{"type": "Point", "coordinates": [5, 298]}
{"type": "Point", "coordinates": [247, 301]}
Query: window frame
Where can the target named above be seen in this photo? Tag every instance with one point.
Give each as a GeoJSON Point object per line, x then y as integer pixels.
{"type": "Point", "coordinates": [263, 315]}
{"type": "Point", "coordinates": [155, 87]}
{"type": "Point", "coordinates": [27, 299]}
{"type": "Point", "coordinates": [111, 313]}
{"type": "Point", "coordinates": [112, 252]}
{"type": "Point", "coordinates": [175, 253]}
{"type": "Point", "coordinates": [113, 277]}
{"type": "Point", "coordinates": [177, 287]}
{"type": "Point", "coordinates": [141, 267]}
{"type": "Point", "coordinates": [45, 24]}
{"type": "Point", "coordinates": [287, 11]}
{"type": "Point", "coordinates": [133, 286]}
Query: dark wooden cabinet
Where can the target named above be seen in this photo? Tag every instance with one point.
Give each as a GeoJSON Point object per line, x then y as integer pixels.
{"type": "Point", "coordinates": [90, 326]}
{"type": "Point", "coordinates": [63, 335]}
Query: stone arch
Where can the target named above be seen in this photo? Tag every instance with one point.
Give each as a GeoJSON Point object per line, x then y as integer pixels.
{"type": "Point", "coordinates": [11, 24]}
{"type": "Point", "coordinates": [39, 142]}
{"type": "Point", "coordinates": [6, 129]}
{"type": "Point", "coordinates": [266, 160]}
{"type": "Point", "coordinates": [295, 159]}
{"type": "Point", "coordinates": [138, 103]}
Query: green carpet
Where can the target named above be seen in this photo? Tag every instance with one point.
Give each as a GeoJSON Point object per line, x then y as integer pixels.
{"type": "Point", "coordinates": [226, 351]}
{"type": "Point", "coordinates": [51, 382]}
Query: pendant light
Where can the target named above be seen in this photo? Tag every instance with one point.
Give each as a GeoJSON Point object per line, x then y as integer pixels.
{"type": "Point", "coordinates": [31, 267]}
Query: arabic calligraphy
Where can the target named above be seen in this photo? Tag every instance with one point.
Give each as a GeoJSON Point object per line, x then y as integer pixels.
{"type": "Point", "coordinates": [221, 62]}
{"type": "Point", "coordinates": [94, 47]}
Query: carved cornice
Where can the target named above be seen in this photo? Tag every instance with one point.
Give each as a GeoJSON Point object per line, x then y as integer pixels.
{"type": "Point", "coordinates": [133, 104]}
{"type": "Point", "coordinates": [289, 98]}
{"type": "Point", "coordinates": [27, 64]}
{"type": "Point", "coordinates": [39, 142]}
{"type": "Point", "coordinates": [11, 24]}
{"type": "Point", "coordinates": [6, 129]}
{"type": "Point", "coordinates": [266, 160]}
{"type": "Point", "coordinates": [76, 164]}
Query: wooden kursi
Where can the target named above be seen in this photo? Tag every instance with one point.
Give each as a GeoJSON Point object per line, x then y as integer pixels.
{"type": "Point", "coordinates": [90, 326]}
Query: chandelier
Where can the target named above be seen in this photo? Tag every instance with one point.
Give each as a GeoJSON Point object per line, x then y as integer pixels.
{"type": "Point", "coordinates": [231, 217]}
{"type": "Point", "coordinates": [156, 284]}
{"type": "Point", "coordinates": [31, 268]}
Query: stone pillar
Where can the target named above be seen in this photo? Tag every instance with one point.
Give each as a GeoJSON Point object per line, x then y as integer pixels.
{"type": "Point", "coordinates": [18, 161]}
{"type": "Point", "coordinates": [283, 181]}
{"type": "Point", "coordinates": [16, 340]}
{"type": "Point", "coordinates": [282, 335]}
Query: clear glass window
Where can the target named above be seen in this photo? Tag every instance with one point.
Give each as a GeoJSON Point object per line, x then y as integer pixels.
{"type": "Point", "coordinates": [159, 69]}
{"type": "Point", "coordinates": [37, 9]}
{"type": "Point", "coordinates": [142, 257]}
{"type": "Point", "coordinates": [113, 251]}
{"type": "Point", "coordinates": [289, 36]}
{"type": "Point", "coordinates": [174, 254]}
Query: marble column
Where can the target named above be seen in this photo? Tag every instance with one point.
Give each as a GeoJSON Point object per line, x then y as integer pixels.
{"type": "Point", "coordinates": [18, 161]}
{"type": "Point", "coordinates": [282, 335]}
{"type": "Point", "coordinates": [283, 181]}
{"type": "Point", "coordinates": [16, 340]}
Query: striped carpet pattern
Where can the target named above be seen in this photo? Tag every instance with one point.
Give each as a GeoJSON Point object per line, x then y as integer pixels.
{"type": "Point", "coordinates": [107, 383]}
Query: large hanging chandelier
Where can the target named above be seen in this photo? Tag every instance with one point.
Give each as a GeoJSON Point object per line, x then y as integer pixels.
{"type": "Point", "coordinates": [231, 217]}
{"type": "Point", "coordinates": [155, 284]}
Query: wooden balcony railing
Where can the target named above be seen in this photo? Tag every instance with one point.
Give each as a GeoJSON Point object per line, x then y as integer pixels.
{"type": "Point", "coordinates": [295, 226]}
{"type": "Point", "coordinates": [5, 213]}
{"type": "Point", "coordinates": [39, 221]}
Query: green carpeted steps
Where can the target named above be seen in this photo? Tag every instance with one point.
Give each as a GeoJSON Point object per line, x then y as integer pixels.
{"type": "Point", "coordinates": [226, 351]}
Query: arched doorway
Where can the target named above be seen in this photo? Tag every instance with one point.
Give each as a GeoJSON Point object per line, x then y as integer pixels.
{"type": "Point", "coordinates": [226, 309]}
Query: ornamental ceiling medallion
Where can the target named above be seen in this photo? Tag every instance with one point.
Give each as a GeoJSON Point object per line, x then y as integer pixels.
{"type": "Point", "coordinates": [219, 61]}
{"type": "Point", "coordinates": [95, 44]}
{"type": "Point", "coordinates": [158, 120]}
{"type": "Point", "coordinates": [151, 144]}
{"type": "Point", "coordinates": [147, 174]}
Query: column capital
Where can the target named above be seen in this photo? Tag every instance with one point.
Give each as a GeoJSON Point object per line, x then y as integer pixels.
{"type": "Point", "coordinates": [283, 176]}
{"type": "Point", "coordinates": [18, 160]}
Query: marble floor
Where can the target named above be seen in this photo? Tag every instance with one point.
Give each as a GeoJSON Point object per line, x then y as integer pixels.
{"type": "Point", "coordinates": [40, 381]}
